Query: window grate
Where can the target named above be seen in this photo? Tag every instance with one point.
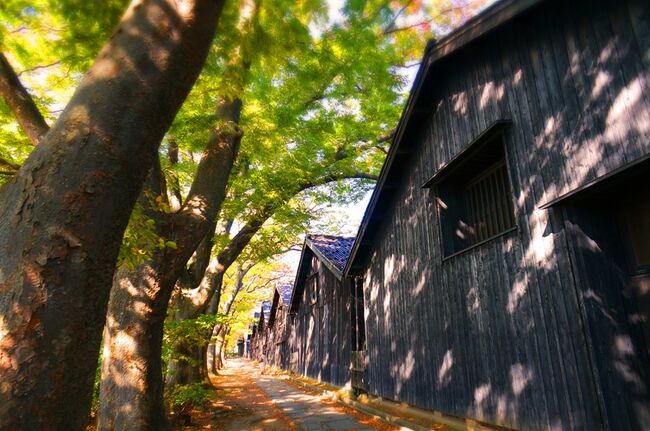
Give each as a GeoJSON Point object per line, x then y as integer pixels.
{"type": "Point", "coordinates": [489, 211]}
{"type": "Point", "coordinates": [474, 198]}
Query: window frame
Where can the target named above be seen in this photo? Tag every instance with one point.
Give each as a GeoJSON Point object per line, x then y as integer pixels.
{"type": "Point", "coordinates": [495, 132]}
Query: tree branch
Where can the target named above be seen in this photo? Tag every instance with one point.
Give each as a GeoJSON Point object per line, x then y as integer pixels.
{"type": "Point", "coordinates": [21, 103]}
{"type": "Point", "coordinates": [330, 178]}
{"type": "Point", "coordinates": [9, 164]}
{"type": "Point", "coordinates": [35, 68]}
{"type": "Point", "coordinates": [426, 21]}
{"type": "Point", "coordinates": [393, 20]}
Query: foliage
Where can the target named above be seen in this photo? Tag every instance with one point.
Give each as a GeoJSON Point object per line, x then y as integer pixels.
{"type": "Point", "coordinates": [187, 397]}
{"type": "Point", "coordinates": [194, 332]}
{"type": "Point", "coordinates": [140, 238]}
{"type": "Point", "coordinates": [257, 284]}
{"type": "Point", "coordinates": [49, 43]}
{"type": "Point", "coordinates": [190, 332]}
{"type": "Point", "coordinates": [322, 90]}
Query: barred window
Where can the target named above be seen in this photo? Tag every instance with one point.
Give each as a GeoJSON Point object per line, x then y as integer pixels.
{"type": "Point", "coordinates": [473, 194]}
{"type": "Point", "coordinates": [489, 208]}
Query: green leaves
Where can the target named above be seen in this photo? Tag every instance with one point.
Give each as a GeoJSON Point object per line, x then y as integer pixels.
{"type": "Point", "coordinates": [185, 397]}
{"type": "Point", "coordinates": [192, 332]}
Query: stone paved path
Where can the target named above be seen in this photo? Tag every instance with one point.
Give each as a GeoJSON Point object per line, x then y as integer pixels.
{"type": "Point", "coordinates": [246, 399]}
{"type": "Point", "coordinates": [306, 410]}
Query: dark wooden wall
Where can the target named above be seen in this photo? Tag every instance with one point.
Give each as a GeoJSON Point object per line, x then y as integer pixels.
{"type": "Point", "coordinates": [278, 336]}
{"type": "Point", "coordinates": [319, 335]}
{"type": "Point", "coordinates": [508, 332]}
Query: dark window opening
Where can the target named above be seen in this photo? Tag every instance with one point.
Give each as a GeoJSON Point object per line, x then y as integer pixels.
{"type": "Point", "coordinates": [358, 340]}
{"type": "Point", "coordinates": [636, 218]}
{"type": "Point", "coordinates": [473, 194]}
{"type": "Point", "coordinates": [360, 322]}
{"type": "Point", "coordinates": [610, 222]}
{"type": "Point", "coordinates": [312, 286]}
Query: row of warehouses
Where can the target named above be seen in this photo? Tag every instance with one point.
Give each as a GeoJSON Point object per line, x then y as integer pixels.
{"type": "Point", "coordinates": [502, 268]}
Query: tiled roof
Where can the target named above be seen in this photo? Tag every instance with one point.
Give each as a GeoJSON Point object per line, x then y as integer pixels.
{"type": "Point", "coordinates": [336, 249]}
{"type": "Point", "coordinates": [285, 291]}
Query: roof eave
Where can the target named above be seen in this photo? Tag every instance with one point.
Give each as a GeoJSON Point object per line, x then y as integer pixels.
{"type": "Point", "coordinates": [294, 298]}
{"type": "Point", "coordinates": [477, 27]}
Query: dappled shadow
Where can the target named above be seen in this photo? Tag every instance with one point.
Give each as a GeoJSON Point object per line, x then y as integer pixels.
{"type": "Point", "coordinates": [314, 341]}
{"type": "Point", "coordinates": [64, 213]}
{"type": "Point", "coordinates": [530, 329]}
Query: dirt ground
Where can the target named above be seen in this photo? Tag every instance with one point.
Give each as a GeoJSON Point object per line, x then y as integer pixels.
{"type": "Point", "coordinates": [238, 403]}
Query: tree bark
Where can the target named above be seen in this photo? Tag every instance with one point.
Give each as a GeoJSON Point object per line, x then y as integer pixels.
{"type": "Point", "coordinates": [21, 103]}
{"type": "Point", "coordinates": [131, 394]}
{"type": "Point", "coordinates": [149, 288]}
{"type": "Point", "coordinates": [63, 215]}
{"type": "Point", "coordinates": [182, 371]}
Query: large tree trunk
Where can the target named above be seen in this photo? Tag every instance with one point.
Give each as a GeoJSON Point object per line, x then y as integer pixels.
{"type": "Point", "coordinates": [131, 394]}
{"type": "Point", "coordinates": [146, 291]}
{"type": "Point", "coordinates": [63, 215]}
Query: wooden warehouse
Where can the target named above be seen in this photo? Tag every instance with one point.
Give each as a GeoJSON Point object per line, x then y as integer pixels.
{"type": "Point", "coordinates": [318, 333]}
{"type": "Point", "coordinates": [278, 330]}
{"type": "Point", "coordinates": [260, 334]}
{"type": "Point", "coordinates": [505, 253]}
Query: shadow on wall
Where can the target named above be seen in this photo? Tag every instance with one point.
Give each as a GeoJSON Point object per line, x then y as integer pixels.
{"type": "Point", "coordinates": [532, 328]}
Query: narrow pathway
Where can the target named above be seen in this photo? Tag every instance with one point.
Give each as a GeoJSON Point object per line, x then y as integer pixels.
{"type": "Point", "coordinates": [246, 399]}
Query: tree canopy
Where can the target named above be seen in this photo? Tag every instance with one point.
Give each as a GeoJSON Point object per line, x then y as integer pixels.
{"type": "Point", "coordinates": [293, 112]}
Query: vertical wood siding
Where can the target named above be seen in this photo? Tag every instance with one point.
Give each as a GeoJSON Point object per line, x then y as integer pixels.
{"type": "Point", "coordinates": [319, 335]}
{"type": "Point", "coordinates": [315, 342]}
{"type": "Point", "coordinates": [504, 331]}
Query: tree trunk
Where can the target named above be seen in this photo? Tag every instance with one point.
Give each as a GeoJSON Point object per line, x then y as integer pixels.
{"type": "Point", "coordinates": [149, 288]}
{"type": "Point", "coordinates": [185, 366]}
{"type": "Point", "coordinates": [222, 346]}
{"type": "Point", "coordinates": [218, 349]}
{"type": "Point", "coordinates": [133, 338]}
{"type": "Point", "coordinates": [63, 215]}
{"type": "Point", "coordinates": [131, 394]}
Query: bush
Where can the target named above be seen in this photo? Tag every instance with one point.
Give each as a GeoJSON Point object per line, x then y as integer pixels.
{"type": "Point", "coordinates": [185, 398]}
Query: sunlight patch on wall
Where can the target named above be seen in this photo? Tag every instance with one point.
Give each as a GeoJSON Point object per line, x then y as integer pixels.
{"type": "Point", "coordinates": [481, 396]}
{"type": "Point", "coordinates": [421, 283]}
{"type": "Point", "coordinates": [626, 112]}
{"type": "Point", "coordinates": [623, 350]}
{"type": "Point", "coordinates": [374, 288]}
{"type": "Point", "coordinates": [516, 294]}
{"type": "Point", "coordinates": [491, 93]}
{"type": "Point", "coordinates": [386, 305]}
{"type": "Point", "coordinates": [540, 250]}
{"type": "Point", "coordinates": [603, 79]}
{"type": "Point", "coordinates": [520, 378]}
{"type": "Point", "coordinates": [590, 294]}
{"type": "Point", "coordinates": [460, 103]}
{"type": "Point", "coordinates": [444, 373]}
{"type": "Point", "coordinates": [502, 407]}
{"type": "Point", "coordinates": [473, 301]}
{"type": "Point", "coordinates": [402, 372]}
{"type": "Point", "coordinates": [389, 269]}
